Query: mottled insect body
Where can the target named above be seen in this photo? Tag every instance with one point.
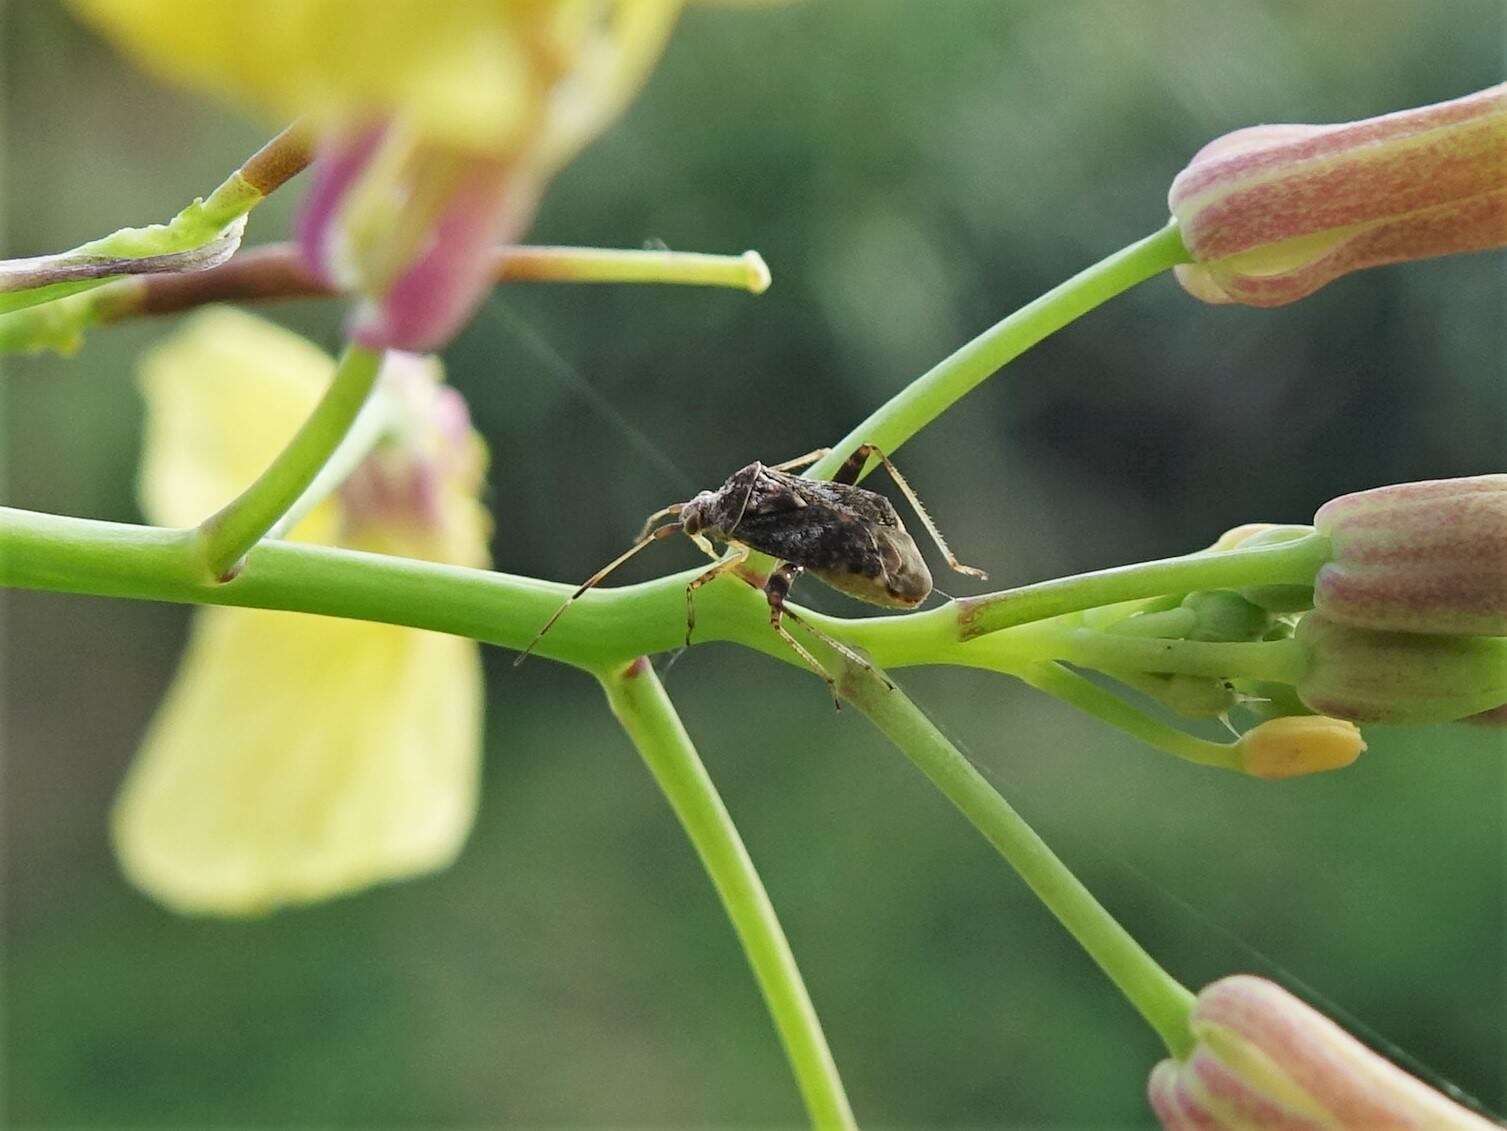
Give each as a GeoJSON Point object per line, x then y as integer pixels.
{"type": "Point", "coordinates": [850, 538]}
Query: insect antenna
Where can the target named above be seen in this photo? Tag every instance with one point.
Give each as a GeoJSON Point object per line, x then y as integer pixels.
{"type": "Point", "coordinates": [663, 532]}
{"type": "Point", "coordinates": [664, 512]}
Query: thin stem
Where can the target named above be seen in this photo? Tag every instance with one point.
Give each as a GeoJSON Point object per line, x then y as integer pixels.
{"type": "Point", "coordinates": [1282, 661]}
{"type": "Point", "coordinates": [1155, 994]}
{"type": "Point", "coordinates": [199, 236]}
{"type": "Point", "coordinates": [639, 701]}
{"type": "Point", "coordinates": [1108, 707]}
{"type": "Point", "coordinates": [62, 554]}
{"type": "Point", "coordinates": [276, 272]}
{"type": "Point", "coordinates": [746, 272]}
{"type": "Point", "coordinates": [376, 419]}
{"type": "Point", "coordinates": [602, 629]}
{"type": "Point", "coordinates": [931, 394]}
{"type": "Point", "coordinates": [225, 536]}
{"type": "Point", "coordinates": [280, 160]}
{"type": "Point", "coordinates": [1283, 563]}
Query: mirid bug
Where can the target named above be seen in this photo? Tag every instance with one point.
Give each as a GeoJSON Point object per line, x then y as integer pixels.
{"type": "Point", "coordinates": [849, 537]}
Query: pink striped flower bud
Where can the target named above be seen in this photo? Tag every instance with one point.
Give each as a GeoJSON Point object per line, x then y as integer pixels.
{"type": "Point", "coordinates": [1272, 213]}
{"type": "Point", "coordinates": [1265, 1059]}
{"type": "Point", "coordinates": [1418, 557]}
{"type": "Point", "coordinates": [1399, 677]}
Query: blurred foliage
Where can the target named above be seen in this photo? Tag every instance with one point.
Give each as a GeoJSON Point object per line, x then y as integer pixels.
{"type": "Point", "coordinates": [911, 171]}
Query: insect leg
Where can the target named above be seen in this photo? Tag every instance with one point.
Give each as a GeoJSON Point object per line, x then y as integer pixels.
{"type": "Point", "coordinates": [665, 531]}
{"type": "Point", "coordinates": [776, 589]}
{"type": "Point", "coordinates": [861, 457]}
{"type": "Point", "coordinates": [800, 461]}
{"type": "Point", "coordinates": [705, 547]}
{"type": "Point", "coordinates": [836, 645]}
{"type": "Point", "coordinates": [739, 556]}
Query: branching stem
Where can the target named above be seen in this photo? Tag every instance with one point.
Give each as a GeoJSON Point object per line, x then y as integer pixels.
{"type": "Point", "coordinates": [1108, 707]}
{"type": "Point", "coordinates": [225, 537]}
{"type": "Point", "coordinates": [275, 272]}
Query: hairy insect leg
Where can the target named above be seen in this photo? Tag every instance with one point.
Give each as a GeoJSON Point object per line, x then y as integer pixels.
{"type": "Point", "coordinates": [800, 461]}
{"type": "Point", "coordinates": [738, 558]}
{"type": "Point", "coordinates": [664, 512]}
{"type": "Point", "coordinates": [837, 645]}
{"type": "Point", "coordinates": [854, 466]}
{"type": "Point", "coordinates": [666, 531]}
{"type": "Point", "coordinates": [776, 590]}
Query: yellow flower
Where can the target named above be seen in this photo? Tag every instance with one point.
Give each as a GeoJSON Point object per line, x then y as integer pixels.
{"type": "Point", "coordinates": [297, 757]}
{"type": "Point", "coordinates": [439, 124]}
{"type": "Point", "coordinates": [473, 74]}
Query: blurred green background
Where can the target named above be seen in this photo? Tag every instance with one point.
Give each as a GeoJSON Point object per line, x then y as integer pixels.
{"type": "Point", "coordinates": [911, 171]}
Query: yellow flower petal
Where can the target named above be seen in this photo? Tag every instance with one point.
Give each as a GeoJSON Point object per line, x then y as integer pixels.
{"type": "Point", "coordinates": [224, 395]}
{"type": "Point", "coordinates": [476, 74]}
{"type": "Point", "coordinates": [299, 757]}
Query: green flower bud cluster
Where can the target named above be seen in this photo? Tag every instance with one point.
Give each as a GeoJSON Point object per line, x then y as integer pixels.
{"type": "Point", "coordinates": [1209, 616]}
{"type": "Point", "coordinates": [1390, 608]}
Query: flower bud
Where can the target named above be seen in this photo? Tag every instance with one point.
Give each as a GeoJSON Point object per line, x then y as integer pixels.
{"type": "Point", "coordinates": [1192, 696]}
{"type": "Point", "coordinates": [1237, 535]}
{"type": "Point", "coordinates": [1399, 677]}
{"type": "Point", "coordinates": [1265, 1059]}
{"type": "Point", "coordinates": [1418, 557]}
{"type": "Point", "coordinates": [1272, 598]}
{"type": "Point", "coordinates": [1225, 615]}
{"type": "Point", "coordinates": [1259, 534]}
{"type": "Point", "coordinates": [1295, 745]}
{"type": "Point", "coordinates": [1272, 213]}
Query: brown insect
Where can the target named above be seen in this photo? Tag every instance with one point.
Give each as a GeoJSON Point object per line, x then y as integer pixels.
{"type": "Point", "coordinates": [848, 537]}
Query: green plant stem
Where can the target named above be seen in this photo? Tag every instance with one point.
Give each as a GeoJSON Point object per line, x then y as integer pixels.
{"type": "Point", "coordinates": [605, 627]}
{"type": "Point", "coordinates": [380, 416]}
{"type": "Point", "coordinates": [1108, 707]}
{"type": "Point", "coordinates": [1283, 563]}
{"type": "Point", "coordinates": [1155, 994]}
{"type": "Point", "coordinates": [746, 272]}
{"type": "Point", "coordinates": [225, 537]}
{"type": "Point", "coordinates": [639, 701]}
{"type": "Point", "coordinates": [1282, 661]}
{"type": "Point", "coordinates": [212, 224]}
{"type": "Point", "coordinates": [931, 394]}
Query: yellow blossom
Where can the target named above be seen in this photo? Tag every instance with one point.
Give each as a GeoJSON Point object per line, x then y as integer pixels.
{"type": "Point", "coordinates": [438, 124]}
{"type": "Point", "coordinates": [297, 757]}
{"type": "Point", "coordinates": [473, 74]}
